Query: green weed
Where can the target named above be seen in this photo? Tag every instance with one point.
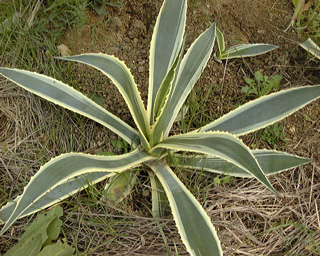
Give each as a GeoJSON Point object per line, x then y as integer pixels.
{"type": "Point", "coordinates": [222, 180]}
{"type": "Point", "coordinates": [41, 237]}
{"type": "Point", "coordinates": [195, 112]}
{"type": "Point", "coordinates": [273, 135]}
{"type": "Point", "coordinates": [261, 85]}
{"type": "Point", "coordinates": [100, 5]}
{"type": "Point", "coordinates": [30, 32]}
{"type": "Point", "coordinates": [308, 19]}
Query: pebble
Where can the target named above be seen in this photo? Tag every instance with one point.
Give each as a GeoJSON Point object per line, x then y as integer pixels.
{"type": "Point", "coordinates": [138, 24]}
{"type": "Point", "coordinates": [141, 69]}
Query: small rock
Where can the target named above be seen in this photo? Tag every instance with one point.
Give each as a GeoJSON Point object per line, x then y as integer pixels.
{"type": "Point", "coordinates": [117, 22]}
{"type": "Point", "coordinates": [141, 69]}
{"type": "Point", "coordinates": [138, 24]}
{"type": "Point", "coordinates": [64, 50]}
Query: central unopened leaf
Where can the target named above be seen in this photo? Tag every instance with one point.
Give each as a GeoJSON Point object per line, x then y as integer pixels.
{"type": "Point", "coordinates": [165, 45]}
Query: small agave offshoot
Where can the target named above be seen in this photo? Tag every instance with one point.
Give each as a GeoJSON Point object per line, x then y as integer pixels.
{"type": "Point", "coordinates": [172, 76]}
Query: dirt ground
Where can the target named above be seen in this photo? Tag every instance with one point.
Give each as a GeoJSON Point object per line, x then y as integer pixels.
{"type": "Point", "coordinates": [248, 218]}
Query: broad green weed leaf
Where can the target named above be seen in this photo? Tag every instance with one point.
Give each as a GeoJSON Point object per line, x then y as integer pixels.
{"type": "Point", "coordinates": [28, 246]}
{"type": "Point", "coordinates": [53, 229]}
{"type": "Point", "coordinates": [41, 224]}
{"type": "Point", "coordinates": [40, 233]}
{"type": "Point", "coordinates": [60, 248]}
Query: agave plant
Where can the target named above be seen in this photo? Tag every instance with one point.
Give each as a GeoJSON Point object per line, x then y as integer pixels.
{"type": "Point", "coordinates": [172, 76]}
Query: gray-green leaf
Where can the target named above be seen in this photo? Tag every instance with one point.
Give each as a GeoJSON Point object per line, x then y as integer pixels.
{"type": "Point", "coordinates": [222, 145]}
{"type": "Point", "coordinates": [264, 111]}
{"type": "Point", "coordinates": [246, 50]}
{"type": "Point", "coordinates": [271, 162]}
{"type": "Point", "coordinates": [194, 225]}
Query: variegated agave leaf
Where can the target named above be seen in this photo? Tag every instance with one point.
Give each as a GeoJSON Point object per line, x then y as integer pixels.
{"type": "Point", "coordinates": [64, 167]}
{"type": "Point", "coordinates": [193, 223]}
{"type": "Point", "coordinates": [221, 45]}
{"type": "Point", "coordinates": [123, 79]}
{"type": "Point", "coordinates": [270, 161]}
{"type": "Point", "coordinates": [222, 145]}
{"type": "Point", "coordinates": [246, 50]}
{"type": "Point", "coordinates": [166, 42]}
{"type": "Point", "coordinates": [311, 47]}
{"type": "Point", "coordinates": [164, 91]}
{"type": "Point", "coordinates": [241, 50]}
{"type": "Point", "coordinates": [67, 97]}
{"type": "Point", "coordinates": [190, 70]}
{"type": "Point", "coordinates": [159, 198]}
{"type": "Point", "coordinates": [55, 195]}
{"type": "Point", "coordinates": [264, 111]}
